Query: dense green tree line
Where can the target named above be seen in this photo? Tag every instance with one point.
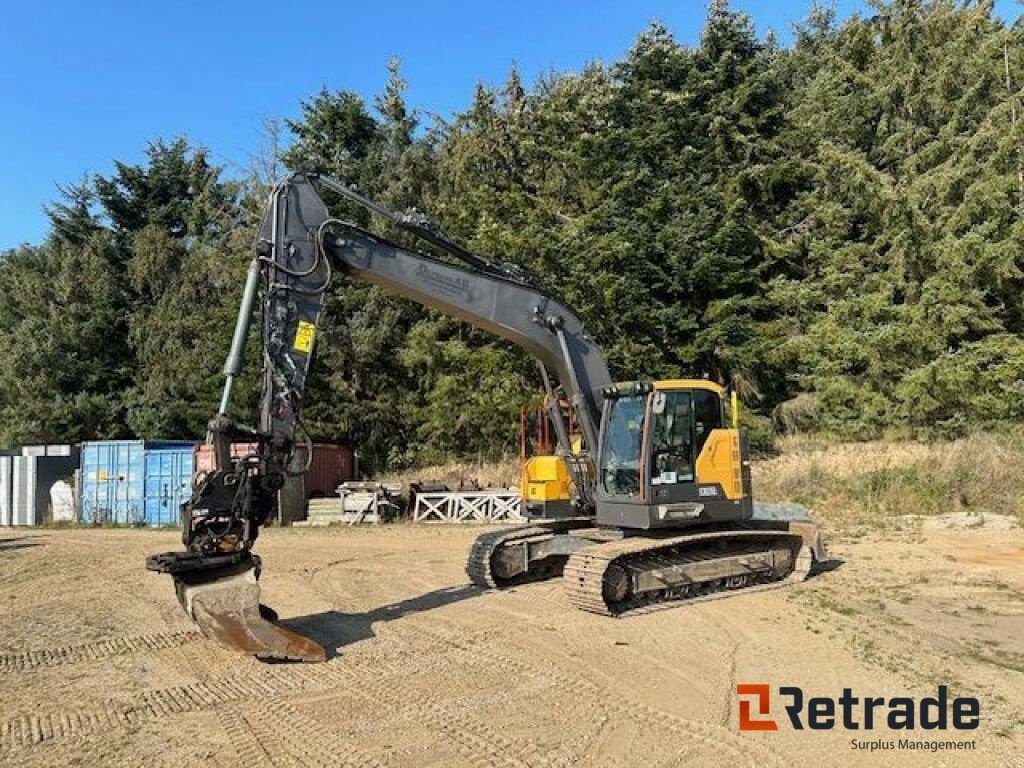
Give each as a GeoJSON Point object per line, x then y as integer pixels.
{"type": "Point", "coordinates": [833, 227]}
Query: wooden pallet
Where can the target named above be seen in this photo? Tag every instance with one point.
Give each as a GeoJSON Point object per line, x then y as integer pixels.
{"type": "Point", "coordinates": [356, 503]}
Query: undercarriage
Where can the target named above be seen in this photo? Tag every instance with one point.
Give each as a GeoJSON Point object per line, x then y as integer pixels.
{"type": "Point", "coordinates": [613, 572]}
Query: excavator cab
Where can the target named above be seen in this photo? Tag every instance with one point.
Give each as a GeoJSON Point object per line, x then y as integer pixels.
{"type": "Point", "coordinates": [671, 455]}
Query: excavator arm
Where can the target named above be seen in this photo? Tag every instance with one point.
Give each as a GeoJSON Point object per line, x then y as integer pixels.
{"type": "Point", "coordinates": [298, 249]}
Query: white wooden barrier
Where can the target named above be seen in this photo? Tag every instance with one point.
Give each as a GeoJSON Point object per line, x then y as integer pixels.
{"type": "Point", "coordinates": [466, 506]}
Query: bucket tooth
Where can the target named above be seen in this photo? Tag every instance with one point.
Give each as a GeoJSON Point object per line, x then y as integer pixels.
{"type": "Point", "coordinates": [227, 610]}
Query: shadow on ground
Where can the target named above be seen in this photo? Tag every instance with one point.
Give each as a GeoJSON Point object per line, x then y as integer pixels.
{"type": "Point", "coordinates": [19, 542]}
{"type": "Point", "coordinates": [826, 566]}
{"type": "Point", "coordinates": [334, 630]}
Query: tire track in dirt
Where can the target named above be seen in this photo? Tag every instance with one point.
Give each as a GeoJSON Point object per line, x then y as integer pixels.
{"type": "Point", "coordinates": [24, 661]}
{"type": "Point", "coordinates": [36, 727]}
{"type": "Point", "coordinates": [288, 738]}
{"type": "Point", "coordinates": [257, 692]}
{"type": "Point", "coordinates": [474, 739]}
{"type": "Point", "coordinates": [248, 747]}
{"type": "Point", "coordinates": [377, 684]}
{"type": "Point", "coordinates": [374, 684]}
{"type": "Point", "coordinates": [620, 706]}
{"type": "Point", "coordinates": [257, 682]}
{"type": "Point", "coordinates": [478, 742]}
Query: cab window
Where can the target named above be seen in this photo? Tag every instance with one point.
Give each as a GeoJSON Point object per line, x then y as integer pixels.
{"type": "Point", "coordinates": [621, 446]}
{"type": "Point", "coordinates": [672, 438]}
{"type": "Point", "coordinates": [707, 415]}
{"type": "Point", "coordinates": [681, 422]}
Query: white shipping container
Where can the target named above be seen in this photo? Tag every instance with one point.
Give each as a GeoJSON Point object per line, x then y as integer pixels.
{"type": "Point", "coordinates": [23, 496]}
{"type": "Point", "coordinates": [46, 450]}
{"type": "Point", "coordinates": [6, 476]}
{"type": "Point", "coordinates": [25, 483]}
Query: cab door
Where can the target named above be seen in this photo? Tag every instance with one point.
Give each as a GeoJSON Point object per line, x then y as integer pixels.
{"type": "Point", "coordinates": [691, 456]}
{"type": "Point", "coordinates": [681, 422]}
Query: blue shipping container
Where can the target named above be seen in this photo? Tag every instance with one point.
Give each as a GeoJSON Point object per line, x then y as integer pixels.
{"type": "Point", "coordinates": [135, 482]}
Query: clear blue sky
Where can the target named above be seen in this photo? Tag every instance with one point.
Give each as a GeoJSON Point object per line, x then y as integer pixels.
{"type": "Point", "coordinates": [82, 83]}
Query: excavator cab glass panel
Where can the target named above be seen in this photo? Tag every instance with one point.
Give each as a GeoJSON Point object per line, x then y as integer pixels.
{"type": "Point", "coordinates": [621, 445]}
{"type": "Point", "coordinates": [672, 437]}
{"type": "Point", "coordinates": [681, 421]}
{"type": "Point", "coordinates": [707, 415]}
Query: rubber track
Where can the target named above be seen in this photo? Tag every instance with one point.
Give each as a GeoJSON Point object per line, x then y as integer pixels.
{"type": "Point", "coordinates": [478, 564]}
{"type": "Point", "coordinates": [24, 661]}
{"type": "Point", "coordinates": [583, 577]}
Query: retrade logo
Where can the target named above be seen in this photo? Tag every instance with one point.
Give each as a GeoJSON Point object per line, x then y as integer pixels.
{"type": "Point", "coordinates": [853, 713]}
{"type": "Point", "coordinates": [761, 694]}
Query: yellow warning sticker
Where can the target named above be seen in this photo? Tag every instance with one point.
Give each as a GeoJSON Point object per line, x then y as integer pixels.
{"type": "Point", "coordinates": [304, 337]}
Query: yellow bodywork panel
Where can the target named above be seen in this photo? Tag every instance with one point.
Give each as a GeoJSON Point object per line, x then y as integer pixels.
{"type": "Point", "coordinates": [720, 462]}
{"type": "Point", "coordinates": [546, 478]}
{"type": "Point", "coordinates": [711, 386]}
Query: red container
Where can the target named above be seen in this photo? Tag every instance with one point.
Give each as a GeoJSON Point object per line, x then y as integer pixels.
{"type": "Point", "coordinates": [331, 466]}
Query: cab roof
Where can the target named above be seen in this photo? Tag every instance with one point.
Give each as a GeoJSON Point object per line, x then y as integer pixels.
{"type": "Point", "coordinates": [665, 384]}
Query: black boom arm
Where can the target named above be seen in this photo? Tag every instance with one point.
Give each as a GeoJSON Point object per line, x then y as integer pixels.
{"type": "Point", "coordinates": [298, 248]}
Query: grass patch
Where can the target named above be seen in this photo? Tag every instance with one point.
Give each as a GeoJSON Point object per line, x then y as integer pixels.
{"type": "Point", "coordinates": [829, 603]}
{"type": "Point", "coordinates": [876, 483]}
{"type": "Point", "coordinates": [860, 486]}
{"type": "Point", "coordinates": [460, 474]}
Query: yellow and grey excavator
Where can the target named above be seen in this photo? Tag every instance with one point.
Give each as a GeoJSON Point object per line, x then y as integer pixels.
{"type": "Point", "coordinates": [651, 507]}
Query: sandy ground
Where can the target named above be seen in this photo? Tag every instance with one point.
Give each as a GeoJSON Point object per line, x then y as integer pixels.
{"type": "Point", "coordinates": [98, 666]}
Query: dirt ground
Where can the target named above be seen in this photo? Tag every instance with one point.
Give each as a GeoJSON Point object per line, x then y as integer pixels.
{"type": "Point", "coordinates": [98, 665]}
